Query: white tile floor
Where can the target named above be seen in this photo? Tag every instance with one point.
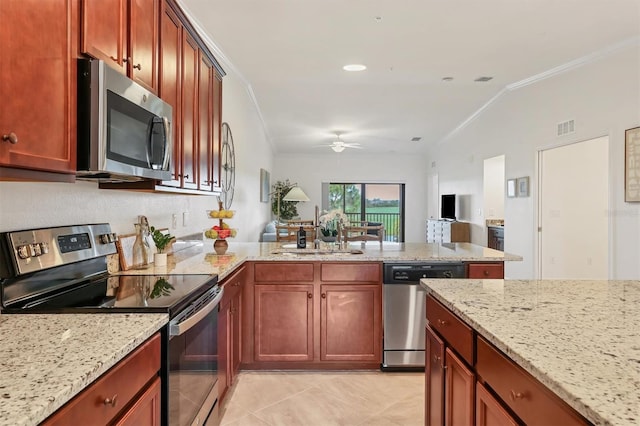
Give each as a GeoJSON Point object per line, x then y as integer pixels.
{"type": "Point", "coordinates": [325, 399]}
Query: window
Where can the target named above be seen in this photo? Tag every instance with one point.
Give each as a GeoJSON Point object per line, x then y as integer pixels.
{"type": "Point", "coordinates": [369, 202]}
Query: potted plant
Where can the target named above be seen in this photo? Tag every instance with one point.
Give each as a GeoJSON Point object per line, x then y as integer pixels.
{"type": "Point", "coordinates": [161, 240]}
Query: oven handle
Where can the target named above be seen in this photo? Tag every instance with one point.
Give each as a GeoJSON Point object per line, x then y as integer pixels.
{"type": "Point", "coordinates": [181, 327]}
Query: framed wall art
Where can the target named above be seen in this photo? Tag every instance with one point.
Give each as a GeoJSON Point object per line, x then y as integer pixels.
{"type": "Point", "coordinates": [511, 188]}
{"type": "Point", "coordinates": [632, 165]}
{"type": "Point", "coordinates": [522, 186]}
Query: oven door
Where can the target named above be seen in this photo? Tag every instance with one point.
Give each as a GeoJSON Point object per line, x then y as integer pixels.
{"type": "Point", "coordinates": [193, 364]}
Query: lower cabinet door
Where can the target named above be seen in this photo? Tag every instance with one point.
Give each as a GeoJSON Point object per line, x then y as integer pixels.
{"type": "Point", "coordinates": [434, 380]}
{"type": "Point", "coordinates": [283, 322]}
{"type": "Point", "coordinates": [489, 412]}
{"type": "Point", "coordinates": [351, 323]}
{"type": "Point", "coordinates": [224, 342]}
{"type": "Point", "coordinates": [459, 391]}
{"type": "Point", "coordinates": [146, 410]}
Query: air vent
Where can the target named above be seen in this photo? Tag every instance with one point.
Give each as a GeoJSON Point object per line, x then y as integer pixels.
{"type": "Point", "coordinates": [483, 79]}
{"type": "Point", "coordinates": [416, 139]}
{"type": "Point", "coordinates": [566, 127]}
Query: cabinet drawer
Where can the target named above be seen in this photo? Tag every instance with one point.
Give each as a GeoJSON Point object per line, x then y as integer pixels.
{"type": "Point", "coordinates": [485, 270]}
{"type": "Point", "coordinates": [232, 285]}
{"type": "Point", "coordinates": [527, 398]}
{"type": "Point", "coordinates": [283, 272]}
{"type": "Point", "coordinates": [351, 272]}
{"type": "Point", "coordinates": [120, 384]}
{"type": "Point", "coordinates": [455, 332]}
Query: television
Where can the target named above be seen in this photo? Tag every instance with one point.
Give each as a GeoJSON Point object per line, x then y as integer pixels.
{"type": "Point", "coordinates": [448, 206]}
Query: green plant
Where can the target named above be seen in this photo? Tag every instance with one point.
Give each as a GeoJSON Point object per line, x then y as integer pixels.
{"type": "Point", "coordinates": [288, 209]}
{"type": "Point", "coordinates": [160, 239]}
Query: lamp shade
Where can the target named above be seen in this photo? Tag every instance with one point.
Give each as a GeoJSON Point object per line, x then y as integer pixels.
{"type": "Point", "coordinates": [296, 194]}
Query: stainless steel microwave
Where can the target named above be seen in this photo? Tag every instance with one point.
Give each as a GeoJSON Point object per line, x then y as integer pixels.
{"type": "Point", "coordinates": [124, 130]}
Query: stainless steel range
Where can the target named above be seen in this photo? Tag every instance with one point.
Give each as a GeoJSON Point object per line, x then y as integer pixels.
{"type": "Point", "coordinates": [64, 270]}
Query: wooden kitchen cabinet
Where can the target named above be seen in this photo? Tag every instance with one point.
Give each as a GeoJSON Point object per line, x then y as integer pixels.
{"type": "Point", "coordinates": [284, 322]}
{"type": "Point", "coordinates": [339, 325]}
{"type": "Point", "coordinates": [127, 394]}
{"type": "Point", "coordinates": [38, 80]}
{"type": "Point", "coordinates": [350, 322]}
{"type": "Point", "coordinates": [450, 383]}
{"type": "Point", "coordinates": [489, 412]}
{"type": "Point", "coordinates": [124, 34]}
{"type": "Point", "coordinates": [485, 270]}
{"type": "Point", "coordinates": [189, 112]}
{"type": "Point", "coordinates": [230, 330]}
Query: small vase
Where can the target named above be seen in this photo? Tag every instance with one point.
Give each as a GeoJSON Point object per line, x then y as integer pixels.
{"type": "Point", "coordinates": [220, 246]}
{"type": "Point", "coordinates": [160, 259]}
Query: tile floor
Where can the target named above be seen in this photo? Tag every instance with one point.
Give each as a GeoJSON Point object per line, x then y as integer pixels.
{"type": "Point", "coordinates": [371, 398]}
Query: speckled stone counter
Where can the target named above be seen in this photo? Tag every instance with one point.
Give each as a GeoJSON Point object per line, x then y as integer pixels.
{"type": "Point", "coordinates": [45, 360]}
{"type": "Point", "coordinates": [201, 259]}
{"type": "Point", "coordinates": [579, 338]}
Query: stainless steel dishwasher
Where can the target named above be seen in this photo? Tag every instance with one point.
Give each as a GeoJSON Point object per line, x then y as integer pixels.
{"type": "Point", "coordinates": [404, 311]}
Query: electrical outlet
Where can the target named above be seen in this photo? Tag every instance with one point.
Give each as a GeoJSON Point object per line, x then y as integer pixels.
{"type": "Point", "coordinates": [174, 221]}
{"type": "Point", "coordinates": [185, 218]}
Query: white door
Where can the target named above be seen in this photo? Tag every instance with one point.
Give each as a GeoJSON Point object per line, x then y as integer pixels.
{"type": "Point", "coordinates": [573, 205]}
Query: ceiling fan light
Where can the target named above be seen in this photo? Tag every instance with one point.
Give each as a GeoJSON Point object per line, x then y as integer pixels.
{"type": "Point", "coordinates": [354, 67]}
{"type": "Point", "coordinates": [338, 148]}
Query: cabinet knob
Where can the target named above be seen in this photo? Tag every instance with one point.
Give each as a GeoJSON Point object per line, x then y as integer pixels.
{"type": "Point", "coordinates": [442, 322]}
{"type": "Point", "coordinates": [309, 295]}
{"type": "Point", "coordinates": [323, 295]}
{"type": "Point", "coordinates": [516, 395]}
{"type": "Point", "coordinates": [486, 273]}
{"type": "Point", "coordinates": [11, 137]}
{"type": "Point", "coordinates": [138, 67]}
{"type": "Point", "coordinates": [111, 401]}
{"type": "Point", "coordinates": [126, 59]}
{"type": "Point", "coordinates": [114, 59]}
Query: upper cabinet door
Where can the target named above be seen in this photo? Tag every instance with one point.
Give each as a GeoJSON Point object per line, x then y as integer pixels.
{"type": "Point", "coordinates": [104, 31]}
{"type": "Point", "coordinates": [189, 112]}
{"type": "Point", "coordinates": [144, 42]}
{"type": "Point", "coordinates": [38, 86]}
{"type": "Point", "coordinates": [205, 116]}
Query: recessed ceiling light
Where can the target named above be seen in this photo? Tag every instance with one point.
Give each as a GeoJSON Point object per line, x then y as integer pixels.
{"type": "Point", "coordinates": [483, 79]}
{"type": "Point", "coordinates": [447, 78]}
{"type": "Point", "coordinates": [415, 138]}
{"type": "Point", "coordinates": [354, 67]}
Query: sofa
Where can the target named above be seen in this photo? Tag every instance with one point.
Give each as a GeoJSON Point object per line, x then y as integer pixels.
{"type": "Point", "coordinates": [269, 234]}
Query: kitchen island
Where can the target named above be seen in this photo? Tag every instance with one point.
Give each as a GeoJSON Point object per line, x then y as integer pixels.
{"type": "Point", "coordinates": [580, 339]}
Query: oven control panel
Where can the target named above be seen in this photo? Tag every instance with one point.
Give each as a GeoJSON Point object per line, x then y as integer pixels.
{"type": "Point", "coordinates": [38, 249]}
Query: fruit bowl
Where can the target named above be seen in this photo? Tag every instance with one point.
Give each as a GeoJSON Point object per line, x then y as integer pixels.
{"type": "Point", "coordinates": [220, 214]}
{"type": "Point", "coordinates": [218, 233]}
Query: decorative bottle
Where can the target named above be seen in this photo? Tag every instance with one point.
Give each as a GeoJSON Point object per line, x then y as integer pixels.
{"type": "Point", "coordinates": [301, 238]}
{"type": "Point", "coordinates": [140, 253]}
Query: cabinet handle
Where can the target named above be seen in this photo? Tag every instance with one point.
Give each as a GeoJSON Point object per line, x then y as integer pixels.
{"type": "Point", "coordinates": [138, 67]}
{"type": "Point", "coordinates": [11, 137]}
{"type": "Point", "coordinates": [309, 295]}
{"type": "Point", "coordinates": [516, 395]}
{"type": "Point", "coordinates": [115, 59]}
{"type": "Point", "coordinates": [111, 401]}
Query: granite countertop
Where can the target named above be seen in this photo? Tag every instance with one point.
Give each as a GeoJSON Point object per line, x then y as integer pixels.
{"type": "Point", "coordinates": [199, 257]}
{"type": "Point", "coordinates": [45, 360]}
{"type": "Point", "coordinates": [581, 339]}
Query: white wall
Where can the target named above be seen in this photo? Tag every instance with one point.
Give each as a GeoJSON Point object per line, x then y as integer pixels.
{"type": "Point", "coordinates": [349, 166]}
{"type": "Point", "coordinates": [493, 185]}
{"type": "Point", "coordinates": [30, 205]}
{"type": "Point", "coordinates": [603, 98]}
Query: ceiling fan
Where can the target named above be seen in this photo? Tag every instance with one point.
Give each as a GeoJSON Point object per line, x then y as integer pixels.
{"type": "Point", "coordinates": [339, 145]}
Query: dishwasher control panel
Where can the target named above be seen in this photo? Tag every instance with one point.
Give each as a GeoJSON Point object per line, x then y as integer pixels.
{"type": "Point", "coordinates": [412, 273]}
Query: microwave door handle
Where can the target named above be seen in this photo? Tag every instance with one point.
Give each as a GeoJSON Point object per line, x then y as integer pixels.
{"type": "Point", "coordinates": [179, 328]}
{"type": "Point", "coordinates": [168, 146]}
{"type": "Point", "coordinates": [152, 126]}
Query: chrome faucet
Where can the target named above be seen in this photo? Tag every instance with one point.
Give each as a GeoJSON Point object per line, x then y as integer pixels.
{"type": "Point", "coordinates": [316, 241]}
